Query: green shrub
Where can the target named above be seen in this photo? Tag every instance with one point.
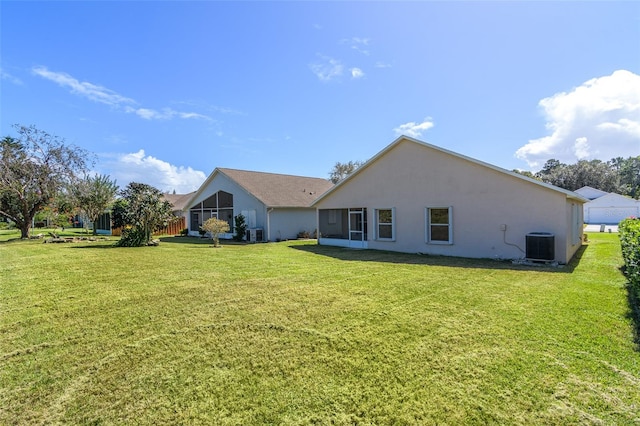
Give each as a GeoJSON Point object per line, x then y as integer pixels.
{"type": "Point", "coordinates": [629, 232]}
{"type": "Point", "coordinates": [241, 228]}
{"type": "Point", "coordinates": [132, 237]}
{"type": "Point", "coordinates": [7, 225]}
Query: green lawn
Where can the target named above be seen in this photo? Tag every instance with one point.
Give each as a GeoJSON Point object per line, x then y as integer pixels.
{"type": "Point", "coordinates": [295, 333]}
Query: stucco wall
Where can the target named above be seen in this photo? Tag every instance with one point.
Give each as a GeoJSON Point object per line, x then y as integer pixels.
{"type": "Point", "coordinates": [411, 177]}
{"type": "Point", "coordinates": [283, 223]}
{"type": "Point", "coordinates": [610, 209]}
{"type": "Point", "coordinates": [241, 199]}
{"type": "Point", "coordinates": [286, 223]}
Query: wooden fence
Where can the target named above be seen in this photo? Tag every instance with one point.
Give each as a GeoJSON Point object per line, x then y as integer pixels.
{"type": "Point", "coordinates": [173, 228]}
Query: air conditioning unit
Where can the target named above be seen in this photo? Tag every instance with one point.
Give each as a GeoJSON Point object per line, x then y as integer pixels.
{"type": "Point", "coordinates": [254, 235]}
{"type": "Point", "coordinates": [540, 246]}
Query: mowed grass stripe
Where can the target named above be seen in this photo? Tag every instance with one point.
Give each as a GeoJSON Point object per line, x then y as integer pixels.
{"type": "Point", "coordinates": [295, 333]}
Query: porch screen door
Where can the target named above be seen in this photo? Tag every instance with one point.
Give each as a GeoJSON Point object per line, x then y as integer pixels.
{"type": "Point", "coordinates": [356, 228]}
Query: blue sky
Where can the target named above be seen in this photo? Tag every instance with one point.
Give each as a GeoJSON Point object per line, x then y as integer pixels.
{"type": "Point", "coordinates": [164, 92]}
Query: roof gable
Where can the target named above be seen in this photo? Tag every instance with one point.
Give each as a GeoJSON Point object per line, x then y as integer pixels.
{"type": "Point", "coordinates": [612, 199]}
{"type": "Point", "coordinates": [272, 189]}
{"type": "Point", "coordinates": [590, 193]}
{"type": "Point", "coordinates": [178, 201]}
{"type": "Point", "coordinates": [569, 194]}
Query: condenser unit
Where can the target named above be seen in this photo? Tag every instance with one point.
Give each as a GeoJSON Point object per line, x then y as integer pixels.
{"type": "Point", "coordinates": [540, 246]}
{"type": "Point", "coordinates": [254, 235]}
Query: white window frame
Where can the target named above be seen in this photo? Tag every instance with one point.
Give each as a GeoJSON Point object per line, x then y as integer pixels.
{"type": "Point", "coordinates": [428, 224]}
{"type": "Point", "coordinates": [393, 224]}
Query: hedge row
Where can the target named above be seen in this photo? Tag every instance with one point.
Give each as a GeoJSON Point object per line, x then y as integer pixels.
{"type": "Point", "coordinates": [629, 232]}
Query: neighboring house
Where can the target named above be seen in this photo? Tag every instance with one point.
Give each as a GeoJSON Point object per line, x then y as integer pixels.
{"type": "Point", "coordinates": [275, 206]}
{"type": "Point", "coordinates": [418, 198]}
{"type": "Point", "coordinates": [178, 202]}
{"type": "Point", "coordinates": [590, 193]}
{"type": "Point", "coordinates": [607, 208]}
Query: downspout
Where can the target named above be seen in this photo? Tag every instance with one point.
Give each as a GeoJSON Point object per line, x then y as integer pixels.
{"type": "Point", "coordinates": [269, 210]}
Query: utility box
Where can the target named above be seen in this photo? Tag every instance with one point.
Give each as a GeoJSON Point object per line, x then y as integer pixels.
{"type": "Point", "coordinates": [254, 235]}
{"type": "Point", "coordinates": [540, 246]}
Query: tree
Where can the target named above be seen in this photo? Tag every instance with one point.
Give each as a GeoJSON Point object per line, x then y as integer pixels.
{"type": "Point", "coordinates": [215, 227]}
{"type": "Point", "coordinates": [58, 213]}
{"type": "Point", "coordinates": [93, 195]}
{"type": "Point", "coordinates": [342, 170]}
{"type": "Point", "coordinates": [241, 227]}
{"type": "Point", "coordinates": [594, 173]}
{"type": "Point", "coordinates": [118, 213]}
{"type": "Point", "coordinates": [33, 168]}
{"type": "Point", "coordinates": [526, 173]}
{"type": "Point", "coordinates": [144, 210]}
{"type": "Point", "coordinates": [630, 177]}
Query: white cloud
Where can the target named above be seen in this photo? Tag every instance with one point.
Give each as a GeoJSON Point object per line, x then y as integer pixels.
{"type": "Point", "coordinates": [598, 120]}
{"type": "Point", "coordinates": [327, 69]}
{"type": "Point", "coordinates": [414, 129]}
{"type": "Point", "coordinates": [88, 90]}
{"type": "Point", "coordinates": [358, 44]}
{"type": "Point", "coordinates": [382, 65]}
{"type": "Point", "coordinates": [106, 96]}
{"type": "Point", "coordinates": [142, 168]}
{"type": "Point", "coordinates": [356, 73]}
{"type": "Point", "coordinates": [165, 114]}
{"type": "Point", "coordinates": [10, 78]}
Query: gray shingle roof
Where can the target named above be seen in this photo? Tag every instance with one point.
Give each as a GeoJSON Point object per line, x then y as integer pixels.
{"type": "Point", "coordinates": [277, 190]}
{"type": "Point", "coordinates": [178, 201]}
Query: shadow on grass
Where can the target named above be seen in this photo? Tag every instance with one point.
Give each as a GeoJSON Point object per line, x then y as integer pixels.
{"type": "Point", "coordinates": [92, 245]}
{"type": "Point", "coordinates": [359, 255]}
{"type": "Point", "coordinates": [172, 240]}
{"type": "Point", "coordinates": [633, 300]}
{"type": "Point", "coordinates": [12, 240]}
{"type": "Point", "coordinates": [196, 240]}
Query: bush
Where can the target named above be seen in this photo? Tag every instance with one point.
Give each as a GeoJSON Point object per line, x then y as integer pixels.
{"type": "Point", "coordinates": [241, 228]}
{"type": "Point", "coordinates": [304, 235]}
{"type": "Point", "coordinates": [215, 227]}
{"type": "Point", "coordinates": [629, 232]}
{"type": "Point", "coordinates": [132, 237]}
{"type": "Point", "coordinates": [7, 225]}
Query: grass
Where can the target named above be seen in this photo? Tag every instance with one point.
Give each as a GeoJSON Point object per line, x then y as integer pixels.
{"type": "Point", "coordinates": [295, 333]}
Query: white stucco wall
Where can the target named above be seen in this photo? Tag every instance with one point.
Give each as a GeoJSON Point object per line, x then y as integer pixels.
{"type": "Point", "coordinates": [241, 199]}
{"type": "Point", "coordinates": [610, 209]}
{"type": "Point", "coordinates": [411, 177]}
{"type": "Point", "coordinates": [286, 223]}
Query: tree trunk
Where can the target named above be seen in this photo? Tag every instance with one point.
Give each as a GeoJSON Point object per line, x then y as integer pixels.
{"type": "Point", "coordinates": [24, 230]}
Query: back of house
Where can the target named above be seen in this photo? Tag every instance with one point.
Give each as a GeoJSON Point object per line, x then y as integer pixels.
{"type": "Point", "coordinates": [415, 197]}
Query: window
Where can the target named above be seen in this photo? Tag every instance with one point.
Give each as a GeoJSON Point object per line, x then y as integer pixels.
{"type": "Point", "coordinates": [439, 228]}
{"type": "Point", "coordinates": [385, 229]}
{"type": "Point", "coordinates": [333, 217]}
{"type": "Point", "coordinates": [219, 205]}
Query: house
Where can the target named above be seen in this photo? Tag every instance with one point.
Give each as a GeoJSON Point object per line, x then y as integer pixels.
{"type": "Point", "coordinates": [418, 198]}
{"type": "Point", "coordinates": [177, 201]}
{"type": "Point", "coordinates": [607, 208]}
{"type": "Point", "coordinates": [590, 193]}
{"type": "Point", "coordinates": [275, 206]}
